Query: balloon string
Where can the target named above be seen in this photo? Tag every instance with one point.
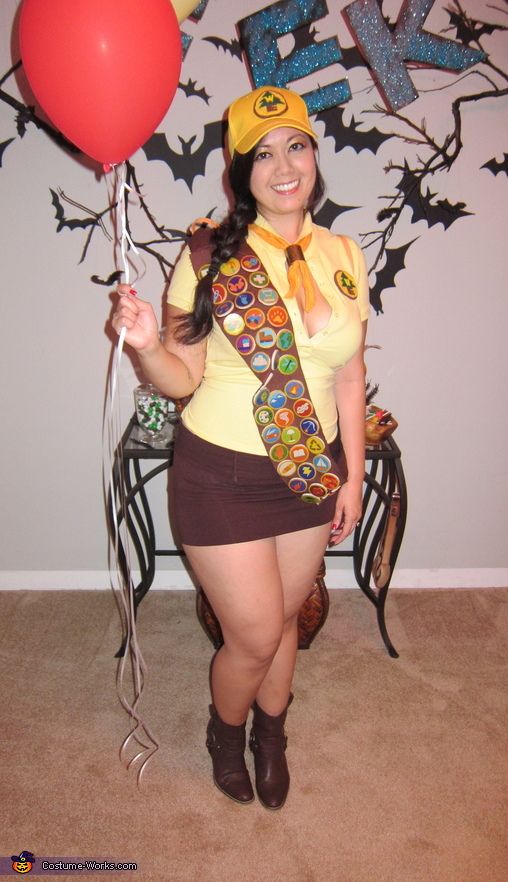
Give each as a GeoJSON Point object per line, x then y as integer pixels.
{"type": "Point", "coordinates": [123, 589]}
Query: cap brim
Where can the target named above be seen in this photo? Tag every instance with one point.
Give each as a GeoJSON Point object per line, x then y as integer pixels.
{"type": "Point", "coordinates": [251, 139]}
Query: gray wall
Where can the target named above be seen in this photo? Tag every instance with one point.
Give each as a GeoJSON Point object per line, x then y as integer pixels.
{"type": "Point", "coordinates": [441, 366]}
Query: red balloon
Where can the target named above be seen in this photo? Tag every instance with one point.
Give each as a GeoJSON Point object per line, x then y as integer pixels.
{"type": "Point", "coordinates": [104, 71]}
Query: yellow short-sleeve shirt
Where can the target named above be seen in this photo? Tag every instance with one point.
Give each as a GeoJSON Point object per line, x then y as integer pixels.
{"type": "Point", "coordinates": [220, 410]}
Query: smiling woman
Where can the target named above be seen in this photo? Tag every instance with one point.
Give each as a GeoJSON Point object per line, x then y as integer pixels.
{"type": "Point", "coordinates": [268, 342]}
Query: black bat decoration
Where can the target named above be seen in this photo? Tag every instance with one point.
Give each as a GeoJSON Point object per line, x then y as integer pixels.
{"type": "Point", "coordinates": [110, 281]}
{"type": "Point", "coordinates": [3, 148]}
{"type": "Point", "coordinates": [440, 212]}
{"type": "Point", "coordinates": [349, 136]}
{"type": "Point", "coordinates": [232, 46]}
{"type": "Point", "coordinates": [469, 30]}
{"type": "Point", "coordinates": [187, 165]}
{"type": "Point", "coordinates": [385, 278]}
{"type": "Point", "coordinates": [329, 212]}
{"type": "Point", "coordinates": [497, 167]}
{"type": "Point", "coordinates": [189, 89]}
{"type": "Point", "coordinates": [69, 223]}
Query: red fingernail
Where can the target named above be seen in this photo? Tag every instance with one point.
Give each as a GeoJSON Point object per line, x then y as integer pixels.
{"type": "Point", "coordinates": [133, 291]}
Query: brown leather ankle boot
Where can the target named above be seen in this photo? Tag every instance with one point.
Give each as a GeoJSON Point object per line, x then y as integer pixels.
{"type": "Point", "coordinates": [268, 743]}
{"type": "Point", "coordinates": [226, 746]}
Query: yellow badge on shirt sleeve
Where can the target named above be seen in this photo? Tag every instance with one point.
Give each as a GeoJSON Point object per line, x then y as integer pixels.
{"type": "Point", "coordinates": [346, 284]}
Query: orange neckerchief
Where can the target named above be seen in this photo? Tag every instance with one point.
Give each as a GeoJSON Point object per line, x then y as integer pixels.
{"type": "Point", "coordinates": [299, 274]}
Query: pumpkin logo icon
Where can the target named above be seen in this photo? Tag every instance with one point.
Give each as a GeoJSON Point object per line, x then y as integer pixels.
{"type": "Point", "coordinates": [22, 862]}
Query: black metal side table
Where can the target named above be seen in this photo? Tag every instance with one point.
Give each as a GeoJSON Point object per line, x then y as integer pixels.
{"type": "Point", "coordinates": [376, 540]}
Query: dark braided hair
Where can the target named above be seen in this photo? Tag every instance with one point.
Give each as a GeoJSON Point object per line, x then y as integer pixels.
{"type": "Point", "coordinates": [226, 239]}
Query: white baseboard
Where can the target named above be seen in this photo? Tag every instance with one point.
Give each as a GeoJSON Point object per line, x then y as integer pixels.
{"type": "Point", "coordinates": [178, 579]}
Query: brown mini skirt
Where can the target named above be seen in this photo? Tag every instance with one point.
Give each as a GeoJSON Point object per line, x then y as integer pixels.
{"type": "Point", "coordinates": [221, 497]}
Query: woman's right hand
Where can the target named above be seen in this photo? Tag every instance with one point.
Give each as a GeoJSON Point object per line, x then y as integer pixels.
{"type": "Point", "coordinates": [138, 318]}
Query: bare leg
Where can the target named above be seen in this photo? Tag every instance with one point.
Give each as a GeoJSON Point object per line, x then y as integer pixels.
{"type": "Point", "coordinates": [256, 590]}
{"type": "Point", "coordinates": [243, 584]}
{"type": "Point", "coordinates": [299, 557]}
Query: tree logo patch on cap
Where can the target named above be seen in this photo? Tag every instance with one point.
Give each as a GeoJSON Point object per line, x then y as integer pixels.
{"type": "Point", "coordinates": [270, 103]}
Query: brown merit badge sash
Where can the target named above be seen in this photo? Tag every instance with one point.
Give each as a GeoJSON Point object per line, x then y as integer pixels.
{"type": "Point", "coordinates": [253, 317]}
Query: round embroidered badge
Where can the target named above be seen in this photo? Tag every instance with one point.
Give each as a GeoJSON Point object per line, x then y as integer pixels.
{"type": "Point", "coordinates": [237, 284]}
{"type": "Point", "coordinates": [265, 338]}
{"type": "Point", "coordinates": [260, 362]}
{"type": "Point", "coordinates": [233, 323]}
{"type": "Point", "coordinates": [230, 267]}
{"type": "Point", "coordinates": [271, 434]}
{"type": "Point", "coordinates": [243, 301]}
{"type": "Point", "coordinates": [268, 296]}
{"type": "Point", "coordinates": [259, 279]}
{"type": "Point", "coordinates": [219, 293]}
{"type": "Point", "coordinates": [224, 309]}
{"type": "Point", "coordinates": [245, 344]}
{"type": "Point", "coordinates": [287, 364]}
{"type": "Point", "coordinates": [250, 263]}
{"type": "Point", "coordinates": [294, 389]}
{"type": "Point", "coordinates": [254, 318]}
{"type": "Point", "coordinates": [286, 468]}
{"type": "Point", "coordinates": [297, 485]}
{"type": "Point", "coordinates": [269, 104]}
{"type": "Point", "coordinates": [346, 284]}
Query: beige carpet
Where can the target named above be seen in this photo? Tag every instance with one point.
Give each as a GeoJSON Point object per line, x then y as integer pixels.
{"type": "Point", "coordinates": [399, 767]}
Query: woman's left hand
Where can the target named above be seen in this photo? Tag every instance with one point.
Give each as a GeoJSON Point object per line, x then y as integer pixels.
{"type": "Point", "coordinates": [348, 512]}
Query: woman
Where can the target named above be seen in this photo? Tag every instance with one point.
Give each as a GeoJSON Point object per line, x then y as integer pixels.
{"type": "Point", "coordinates": [261, 486]}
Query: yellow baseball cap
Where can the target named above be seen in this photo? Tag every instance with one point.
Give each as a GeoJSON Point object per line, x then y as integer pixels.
{"type": "Point", "coordinates": [253, 115]}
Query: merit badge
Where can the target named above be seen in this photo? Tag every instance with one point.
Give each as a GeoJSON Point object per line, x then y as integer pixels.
{"type": "Point", "coordinates": [263, 416]}
{"type": "Point", "coordinates": [307, 471]}
{"type": "Point", "coordinates": [309, 426]}
{"type": "Point", "coordinates": [270, 434]}
{"type": "Point", "coordinates": [285, 339]}
{"type": "Point", "coordinates": [203, 271]}
{"type": "Point", "coordinates": [303, 407]}
{"type": "Point", "coordinates": [322, 462]}
{"type": "Point", "coordinates": [318, 490]}
{"type": "Point", "coordinates": [259, 280]}
{"type": "Point", "coordinates": [260, 362]}
{"type": "Point", "coordinates": [245, 344]}
{"type": "Point", "coordinates": [287, 364]}
{"type": "Point", "coordinates": [261, 396]}
{"type": "Point", "coordinates": [309, 497]}
{"type": "Point", "coordinates": [299, 453]}
{"type": "Point", "coordinates": [330, 481]}
{"type": "Point", "coordinates": [277, 316]}
{"type": "Point", "coordinates": [233, 323]}
{"type": "Point", "coordinates": [297, 485]}
{"type": "Point", "coordinates": [265, 338]}
{"type": "Point", "coordinates": [237, 284]}
{"type": "Point", "coordinates": [278, 452]}
{"type": "Point", "coordinates": [250, 263]}
{"type": "Point", "coordinates": [268, 296]}
{"type": "Point", "coordinates": [244, 300]}
{"type": "Point", "coordinates": [291, 435]}
{"type": "Point", "coordinates": [219, 293]}
{"type": "Point", "coordinates": [346, 284]}
{"type": "Point", "coordinates": [254, 318]}
{"type": "Point", "coordinates": [230, 267]}
{"type": "Point", "coordinates": [276, 399]}
{"type": "Point", "coordinates": [284, 417]}
{"type": "Point", "coordinates": [294, 388]}
{"type": "Point", "coordinates": [315, 445]}
{"type": "Point", "coordinates": [224, 309]}
{"type": "Point", "coordinates": [286, 468]}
